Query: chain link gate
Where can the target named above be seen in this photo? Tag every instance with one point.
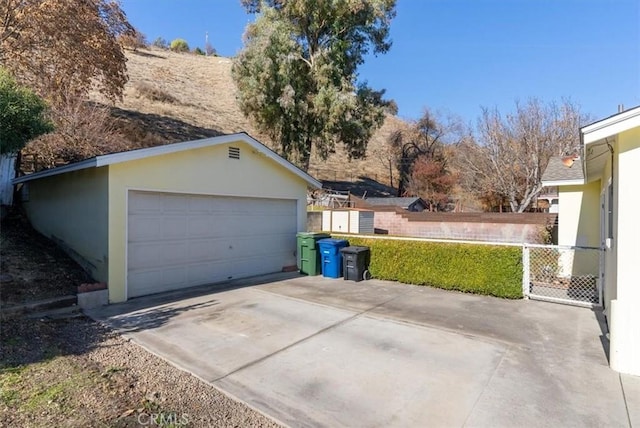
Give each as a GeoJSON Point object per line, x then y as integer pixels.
{"type": "Point", "coordinates": [563, 274]}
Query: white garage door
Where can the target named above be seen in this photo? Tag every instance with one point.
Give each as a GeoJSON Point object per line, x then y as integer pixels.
{"type": "Point", "coordinates": [177, 241]}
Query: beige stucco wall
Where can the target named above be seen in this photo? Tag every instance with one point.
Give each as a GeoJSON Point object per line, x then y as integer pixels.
{"type": "Point", "coordinates": [624, 314]}
{"type": "Point", "coordinates": [72, 210]}
{"type": "Point", "coordinates": [579, 215]}
{"type": "Point", "coordinates": [579, 225]}
{"type": "Point", "coordinates": [203, 171]}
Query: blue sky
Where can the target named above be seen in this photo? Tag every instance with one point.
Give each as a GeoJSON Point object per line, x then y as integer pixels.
{"type": "Point", "coordinates": [456, 56]}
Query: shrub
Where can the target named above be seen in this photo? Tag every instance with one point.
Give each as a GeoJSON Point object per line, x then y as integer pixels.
{"type": "Point", "coordinates": [210, 50]}
{"type": "Point", "coordinates": [23, 115]}
{"type": "Point", "coordinates": [82, 130]}
{"type": "Point", "coordinates": [153, 93]}
{"type": "Point", "coordinates": [198, 51]}
{"type": "Point", "coordinates": [133, 40]}
{"type": "Point", "coordinates": [179, 45]}
{"type": "Point", "coordinates": [161, 43]}
{"type": "Point", "coordinates": [473, 268]}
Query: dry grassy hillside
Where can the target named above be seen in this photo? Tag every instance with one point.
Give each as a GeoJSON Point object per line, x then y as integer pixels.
{"type": "Point", "coordinates": [174, 97]}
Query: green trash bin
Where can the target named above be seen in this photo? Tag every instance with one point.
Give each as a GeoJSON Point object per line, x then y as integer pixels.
{"type": "Point", "coordinates": [308, 254]}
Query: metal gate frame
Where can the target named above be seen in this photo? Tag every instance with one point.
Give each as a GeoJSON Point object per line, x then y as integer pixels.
{"type": "Point", "coordinates": [529, 277]}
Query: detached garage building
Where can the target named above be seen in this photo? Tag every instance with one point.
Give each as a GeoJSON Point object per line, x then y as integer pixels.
{"type": "Point", "coordinates": [173, 216]}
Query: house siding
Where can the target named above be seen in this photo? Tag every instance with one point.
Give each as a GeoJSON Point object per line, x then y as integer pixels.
{"type": "Point", "coordinates": [616, 176]}
{"type": "Point", "coordinates": [624, 314]}
{"type": "Point", "coordinates": [207, 171]}
{"type": "Point", "coordinates": [72, 210]}
{"type": "Point", "coordinates": [579, 226]}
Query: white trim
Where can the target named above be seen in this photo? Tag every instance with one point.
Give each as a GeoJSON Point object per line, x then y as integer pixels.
{"type": "Point", "coordinates": [611, 126]}
{"type": "Point", "coordinates": [563, 301]}
{"type": "Point", "coordinates": [562, 247]}
{"type": "Point", "coordinates": [576, 182]}
{"type": "Point", "coordinates": [89, 163]}
{"type": "Point", "coordinates": [116, 158]}
{"type": "Point", "coordinates": [126, 245]}
{"type": "Point", "coordinates": [189, 192]}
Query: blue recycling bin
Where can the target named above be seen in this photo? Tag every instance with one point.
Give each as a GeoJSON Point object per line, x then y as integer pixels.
{"type": "Point", "coordinates": [331, 257]}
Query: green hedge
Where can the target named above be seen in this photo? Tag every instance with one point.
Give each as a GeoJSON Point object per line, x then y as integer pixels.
{"type": "Point", "coordinates": [473, 268]}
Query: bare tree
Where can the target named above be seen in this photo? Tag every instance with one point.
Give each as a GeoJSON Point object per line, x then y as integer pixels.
{"type": "Point", "coordinates": [387, 154]}
{"type": "Point", "coordinates": [133, 40]}
{"type": "Point", "coordinates": [425, 139]}
{"type": "Point", "coordinates": [83, 130]}
{"type": "Point", "coordinates": [514, 150]}
{"type": "Point", "coordinates": [432, 181]}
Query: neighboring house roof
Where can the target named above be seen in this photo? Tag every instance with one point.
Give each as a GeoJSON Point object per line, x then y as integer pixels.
{"type": "Point", "coordinates": [563, 171]}
{"type": "Point", "coordinates": [116, 158]}
{"type": "Point", "coordinates": [397, 202]}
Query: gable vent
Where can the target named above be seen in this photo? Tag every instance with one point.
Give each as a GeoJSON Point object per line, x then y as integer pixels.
{"type": "Point", "coordinates": [234, 152]}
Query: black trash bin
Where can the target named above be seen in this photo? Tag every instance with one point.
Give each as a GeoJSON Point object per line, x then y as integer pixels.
{"type": "Point", "coordinates": [355, 263]}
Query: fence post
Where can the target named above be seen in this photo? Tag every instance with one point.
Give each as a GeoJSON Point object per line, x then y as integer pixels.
{"type": "Point", "coordinates": [525, 271]}
{"type": "Point", "coordinates": [601, 268]}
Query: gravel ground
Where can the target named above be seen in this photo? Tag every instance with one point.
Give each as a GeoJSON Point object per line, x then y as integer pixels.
{"type": "Point", "coordinates": [78, 373]}
{"type": "Point", "coordinates": [31, 266]}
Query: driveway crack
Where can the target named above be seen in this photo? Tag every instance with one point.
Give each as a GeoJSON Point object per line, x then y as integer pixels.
{"type": "Point", "coordinates": [495, 370]}
{"type": "Point", "coordinates": [624, 397]}
{"type": "Point", "coordinates": [304, 339]}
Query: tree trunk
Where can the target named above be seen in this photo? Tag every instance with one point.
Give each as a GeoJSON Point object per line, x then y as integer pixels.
{"type": "Point", "coordinates": [305, 156]}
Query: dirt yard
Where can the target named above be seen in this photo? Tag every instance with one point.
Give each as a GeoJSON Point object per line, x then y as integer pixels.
{"type": "Point", "coordinates": [77, 373]}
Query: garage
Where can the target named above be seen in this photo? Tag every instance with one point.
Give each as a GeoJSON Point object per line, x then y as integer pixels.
{"type": "Point", "coordinates": [174, 216]}
{"type": "Point", "coordinates": [177, 241]}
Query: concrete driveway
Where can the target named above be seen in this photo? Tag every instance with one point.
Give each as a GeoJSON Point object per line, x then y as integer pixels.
{"type": "Point", "coordinates": [312, 351]}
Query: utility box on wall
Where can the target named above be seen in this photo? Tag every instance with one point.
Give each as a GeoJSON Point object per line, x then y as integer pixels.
{"type": "Point", "coordinates": [348, 221]}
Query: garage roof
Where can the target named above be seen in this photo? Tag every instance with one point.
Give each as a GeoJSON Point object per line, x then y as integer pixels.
{"type": "Point", "coordinates": [115, 158]}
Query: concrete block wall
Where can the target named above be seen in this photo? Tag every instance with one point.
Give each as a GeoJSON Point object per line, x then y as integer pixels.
{"type": "Point", "coordinates": [395, 224]}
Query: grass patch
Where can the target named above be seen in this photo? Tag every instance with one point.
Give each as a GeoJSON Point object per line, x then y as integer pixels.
{"type": "Point", "coordinates": [10, 379]}
{"type": "Point", "coordinates": [473, 268]}
{"type": "Point", "coordinates": [48, 395]}
{"type": "Point", "coordinates": [51, 385]}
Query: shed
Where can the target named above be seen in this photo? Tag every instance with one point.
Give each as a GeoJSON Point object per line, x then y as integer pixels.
{"type": "Point", "coordinates": [350, 220]}
{"type": "Point", "coordinates": [173, 216]}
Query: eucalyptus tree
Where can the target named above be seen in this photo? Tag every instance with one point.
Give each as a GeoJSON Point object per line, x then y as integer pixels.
{"type": "Point", "coordinates": [297, 75]}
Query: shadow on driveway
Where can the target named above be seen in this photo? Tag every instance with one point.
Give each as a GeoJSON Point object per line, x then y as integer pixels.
{"type": "Point", "coordinates": [155, 311]}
